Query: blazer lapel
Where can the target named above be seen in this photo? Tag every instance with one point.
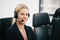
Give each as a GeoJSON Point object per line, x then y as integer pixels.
{"type": "Point", "coordinates": [16, 32]}
{"type": "Point", "coordinates": [28, 32]}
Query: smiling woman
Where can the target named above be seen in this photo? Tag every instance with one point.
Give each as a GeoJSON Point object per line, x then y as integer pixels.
{"type": "Point", "coordinates": [20, 31]}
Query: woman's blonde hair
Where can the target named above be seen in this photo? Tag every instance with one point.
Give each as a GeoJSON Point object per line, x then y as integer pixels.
{"type": "Point", "coordinates": [21, 6]}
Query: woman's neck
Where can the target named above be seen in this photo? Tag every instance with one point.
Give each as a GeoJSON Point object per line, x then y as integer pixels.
{"type": "Point", "coordinates": [20, 25]}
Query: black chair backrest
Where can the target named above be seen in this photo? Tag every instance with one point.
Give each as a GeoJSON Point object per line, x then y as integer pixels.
{"type": "Point", "coordinates": [41, 33]}
{"type": "Point", "coordinates": [56, 29]}
{"type": "Point", "coordinates": [40, 22]}
{"type": "Point", "coordinates": [0, 29]}
{"type": "Point", "coordinates": [40, 19]}
{"type": "Point", "coordinates": [57, 13]}
{"type": "Point", "coordinates": [0, 23]}
{"type": "Point", "coordinates": [5, 23]}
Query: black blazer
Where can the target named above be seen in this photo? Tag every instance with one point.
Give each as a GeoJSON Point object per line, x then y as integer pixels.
{"type": "Point", "coordinates": [13, 33]}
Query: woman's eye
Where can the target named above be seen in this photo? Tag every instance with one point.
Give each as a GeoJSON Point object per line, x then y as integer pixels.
{"type": "Point", "coordinates": [22, 13]}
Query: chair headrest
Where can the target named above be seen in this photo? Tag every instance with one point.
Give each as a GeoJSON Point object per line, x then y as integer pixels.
{"type": "Point", "coordinates": [57, 13]}
{"type": "Point", "coordinates": [6, 22]}
{"type": "Point", "coordinates": [40, 19]}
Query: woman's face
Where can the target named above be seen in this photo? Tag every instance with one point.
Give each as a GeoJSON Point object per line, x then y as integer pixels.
{"type": "Point", "coordinates": [22, 15]}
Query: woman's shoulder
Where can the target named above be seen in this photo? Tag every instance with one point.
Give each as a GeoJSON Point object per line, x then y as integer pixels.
{"type": "Point", "coordinates": [11, 27]}
{"type": "Point", "coordinates": [28, 27]}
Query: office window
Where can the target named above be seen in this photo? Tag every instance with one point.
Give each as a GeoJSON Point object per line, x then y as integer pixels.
{"type": "Point", "coordinates": [49, 6]}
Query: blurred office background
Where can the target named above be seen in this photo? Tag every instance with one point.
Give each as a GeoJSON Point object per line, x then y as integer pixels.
{"type": "Point", "coordinates": [7, 7]}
